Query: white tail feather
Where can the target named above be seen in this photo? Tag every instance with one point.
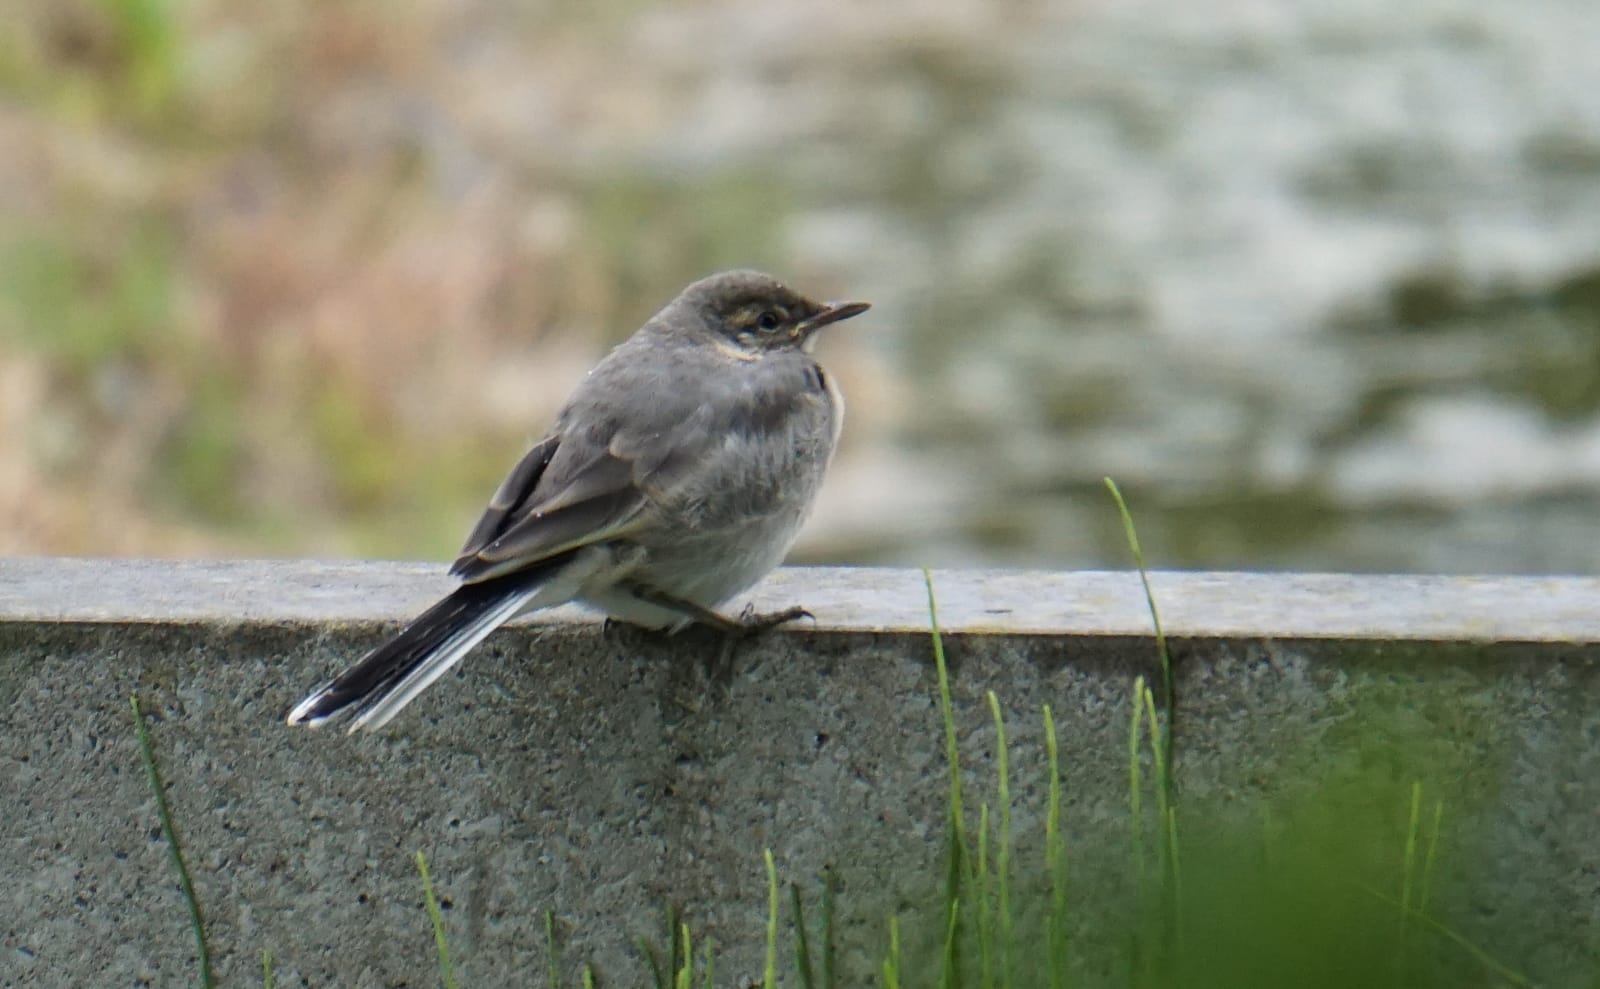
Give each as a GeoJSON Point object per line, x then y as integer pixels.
{"type": "Point", "coordinates": [439, 662]}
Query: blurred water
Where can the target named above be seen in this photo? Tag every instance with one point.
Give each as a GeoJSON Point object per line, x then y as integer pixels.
{"type": "Point", "coordinates": [1319, 284]}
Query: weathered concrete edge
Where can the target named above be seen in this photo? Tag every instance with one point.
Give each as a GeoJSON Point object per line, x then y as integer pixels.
{"type": "Point", "coordinates": [1562, 610]}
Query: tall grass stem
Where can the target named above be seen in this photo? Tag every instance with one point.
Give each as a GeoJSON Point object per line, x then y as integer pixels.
{"type": "Point", "coordinates": [947, 713]}
{"type": "Point", "coordinates": [550, 946]}
{"type": "Point", "coordinates": [446, 974]}
{"type": "Point", "coordinates": [769, 977]}
{"type": "Point", "coordinates": [1169, 699]}
{"type": "Point", "coordinates": [1055, 862]}
{"type": "Point", "coordinates": [1003, 862]}
{"type": "Point", "coordinates": [153, 775]}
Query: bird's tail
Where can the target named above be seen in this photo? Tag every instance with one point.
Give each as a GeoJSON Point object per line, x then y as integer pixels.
{"type": "Point", "coordinates": [389, 677]}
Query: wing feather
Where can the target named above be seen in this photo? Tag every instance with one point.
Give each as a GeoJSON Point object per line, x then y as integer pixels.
{"type": "Point", "coordinates": [579, 494]}
{"type": "Point", "coordinates": [510, 496]}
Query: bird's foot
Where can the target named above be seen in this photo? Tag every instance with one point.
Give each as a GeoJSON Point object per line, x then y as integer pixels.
{"type": "Point", "coordinates": [752, 622]}
{"type": "Point", "coordinates": [749, 624]}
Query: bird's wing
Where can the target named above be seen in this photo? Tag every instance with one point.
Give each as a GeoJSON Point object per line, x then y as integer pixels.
{"type": "Point", "coordinates": [510, 496]}
{"type": "Point", "coordinates": [565, 493]}
{"type": "Point", "coordinates": [606, 467]}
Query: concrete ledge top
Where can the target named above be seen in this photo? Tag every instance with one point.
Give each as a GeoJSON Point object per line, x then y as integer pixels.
{"type": "Point", "coordinates": [1193, 605]}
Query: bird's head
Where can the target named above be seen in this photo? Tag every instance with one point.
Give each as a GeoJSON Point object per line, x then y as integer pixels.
{"type": "Point", "coordinates": [756, 313]}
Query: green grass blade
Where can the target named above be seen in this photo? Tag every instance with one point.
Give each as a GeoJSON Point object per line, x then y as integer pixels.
{"type": "Point", "coordinates": [891, 963]}
{"type": "Point", "coordinates": [1135, 800]}
{"type": "Point", "coordinates": [711, 961]}
{"type": "Point", "coordinates": [686, 973]}
{"type": "Point", "coordinates": [1407, 878]}
{"type": "Point", "coordinates": [446, 975]}
{"type": "Point", "coordinates": [675, 947]}
{"type": "Point", "coordinates": [1172, 851]}
{"type": "Point", "coordinates": [1153, 724]}
{"type": "Point", "coordinates": [769, 978]}
{"type": "Point", "coordinates": [1169, 698]}
{"type": "Point", "coordinates": [1429, 860]}
{"type": "Point", "coordinates": [1413, 825]}
{"type": "Point", "coordinates": [981, 892]}
{"type": "Point", "coordinates": [1139, 951]}
{"type": "Point", "coordinates": [1488, 961]}
{"type": "Point", "coordinates": [153, 776]}
{"type": "Point", "coordinates": [1163, 748]}
{"type": "Point", "coordinates": [960, 864]}
{"type": "Point", "coordinates": [550, 944]}
{"type": "Point", "coordinates": [946, 711]}
{"type": "Point", "coordinates": [1055, 861]}
{"type": "Point", "coordinates": [657, 974]}
{"type": "Point", "coordinates": [828, 940]}
{"type": "Point", "coordinates": [588, 977]}
{"type": "Point", "coordinates": [951, 975]}
{"type": "Point", "coordinates": [1167, 857]}
{"type": "Point", "coordinates": [1003, 862]}
{"type": "Point", "coordinates": [1166, 810]}
{"type": "Point", "coordinates": [802, 948]}
{"type": "Point", "coordinates": [266, 968]}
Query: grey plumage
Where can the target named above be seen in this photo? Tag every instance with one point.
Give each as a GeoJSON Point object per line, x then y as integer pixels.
{"type": "Point", "coordinates": [677, 475]}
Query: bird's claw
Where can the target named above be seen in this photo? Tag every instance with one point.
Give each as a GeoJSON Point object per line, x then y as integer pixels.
{"type": "Point", "coordinates": [751, 621]}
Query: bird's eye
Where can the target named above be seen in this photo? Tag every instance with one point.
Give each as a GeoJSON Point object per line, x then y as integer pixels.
{"type": "Point", "coordinates": [768, 320]}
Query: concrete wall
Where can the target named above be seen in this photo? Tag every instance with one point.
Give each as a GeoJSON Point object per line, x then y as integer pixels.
{"type": "Point", "coordinates": [601, 776]}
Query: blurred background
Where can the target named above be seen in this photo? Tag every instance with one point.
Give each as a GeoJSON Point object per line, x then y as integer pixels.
{"type": "Point", "coordinates": [1319, 284]}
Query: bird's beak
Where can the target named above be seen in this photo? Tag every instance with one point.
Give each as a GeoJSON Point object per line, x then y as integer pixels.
{"type": "Point", "coordinates": [832, 312]}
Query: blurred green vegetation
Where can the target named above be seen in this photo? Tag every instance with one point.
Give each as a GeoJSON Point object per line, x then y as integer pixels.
{"type": "Point", "coordinates": [730, 218]}
{"type": "Point", "coordinates": [259, 306]}
{"type": "Point", "coordinates": [1334, 867]}
{"type": "Point", "coordinates": [84, 303]}
{"type": "Point", "coordinates": [1357, 863]}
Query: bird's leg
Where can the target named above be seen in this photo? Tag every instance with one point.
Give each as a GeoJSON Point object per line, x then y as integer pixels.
{"type": "Point", "coordinates": [626, 635]}
{"type": "Point", "coordinates": [749, 621]}
{"type": "Point", "coordinates": [734, 630]}
{"type": "Point", "coordinates": [752, 621]}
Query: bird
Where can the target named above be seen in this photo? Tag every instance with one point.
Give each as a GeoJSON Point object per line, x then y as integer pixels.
{"type": "Point", "coordinates": [676, 476]}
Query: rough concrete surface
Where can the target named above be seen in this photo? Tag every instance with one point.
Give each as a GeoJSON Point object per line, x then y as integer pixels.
{"type": "Point", "coordinates": [601, 776]}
